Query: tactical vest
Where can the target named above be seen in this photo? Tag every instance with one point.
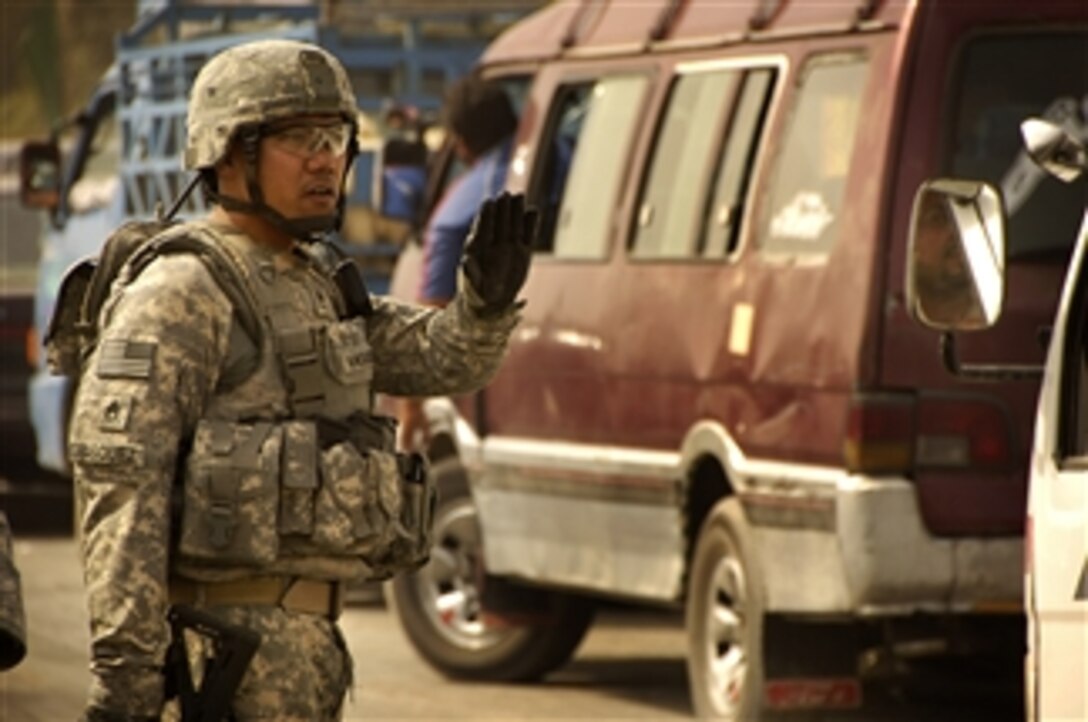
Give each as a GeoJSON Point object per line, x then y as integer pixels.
{"type": "Point", "coordinates": [289, 461]}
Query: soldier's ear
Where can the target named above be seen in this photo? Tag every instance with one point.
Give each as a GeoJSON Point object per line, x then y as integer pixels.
{"type": "Point", "coordinates": [231, 158]}
{"type": "Point", "coordinates": [230, 164]}
{"type": "Point", "coordinates": [230, 172]}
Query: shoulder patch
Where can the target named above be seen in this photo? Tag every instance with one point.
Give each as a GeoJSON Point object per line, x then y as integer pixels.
{"type": "Point", "coordinates": [115, 414]}
{"type": "Point", "coordinates": [124, 359]}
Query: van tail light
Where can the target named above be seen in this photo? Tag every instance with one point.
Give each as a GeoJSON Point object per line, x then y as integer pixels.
{"type": "Point", "coordinates": [898, 433]}
{"type": "Point", "coordinates": [962, 433]}
{"type": "Point", "coordinates": [32, 348]}
{"type": "Point", "coordinates": [880, 434]}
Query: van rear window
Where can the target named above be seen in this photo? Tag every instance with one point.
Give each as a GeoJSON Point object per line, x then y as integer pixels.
{"type": "Point", "coordinates": [1000, 80]}
{"type": "Point", "coordinates": [812, 165]}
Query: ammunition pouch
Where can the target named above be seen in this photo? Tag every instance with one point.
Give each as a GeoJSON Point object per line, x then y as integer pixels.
{"type": "Point", "coordinates": [230, 493]}
{"type": "Point", "coordinates": [257, 492]}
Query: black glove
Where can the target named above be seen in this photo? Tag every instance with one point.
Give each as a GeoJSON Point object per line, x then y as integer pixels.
{"type": "Point", "coordinates": [498, 250]}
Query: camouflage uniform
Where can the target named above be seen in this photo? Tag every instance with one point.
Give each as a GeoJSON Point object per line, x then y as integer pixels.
{"type": "Point", "coordinates": [12, 618]}
{"type": "Point", "coordinates": [265, 499]}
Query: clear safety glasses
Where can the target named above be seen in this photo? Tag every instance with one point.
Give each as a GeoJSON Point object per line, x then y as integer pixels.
{"type": "Point", "coordinates": [305, 140]}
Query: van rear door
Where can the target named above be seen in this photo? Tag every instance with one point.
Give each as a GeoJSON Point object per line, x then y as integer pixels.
{"type": "Point", "coordinates": [980, 69]}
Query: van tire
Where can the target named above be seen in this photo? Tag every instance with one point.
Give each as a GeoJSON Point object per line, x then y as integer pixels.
{"type": "Point", "coordinates": [439, 606]}
{"type": "Point", "coordinates": [725, 664]}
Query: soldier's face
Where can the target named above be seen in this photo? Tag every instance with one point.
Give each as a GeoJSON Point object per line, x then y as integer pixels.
{"type": "Point", "coordinates": [302, 162]}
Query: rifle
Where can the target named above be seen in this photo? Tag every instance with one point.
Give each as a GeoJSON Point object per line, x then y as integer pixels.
{"type": "Point", "coordinates": [232, 647]}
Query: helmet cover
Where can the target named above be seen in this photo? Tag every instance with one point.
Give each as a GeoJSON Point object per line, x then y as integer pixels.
{"type": "Point", "coordinates": [259, 82]}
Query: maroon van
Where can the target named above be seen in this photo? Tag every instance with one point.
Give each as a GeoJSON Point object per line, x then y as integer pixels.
{"type": "Point", "coordinates": [716, 400]}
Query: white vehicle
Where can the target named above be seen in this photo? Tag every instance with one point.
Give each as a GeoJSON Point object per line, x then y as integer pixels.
{"type": "Point", "coordinates": [956, 283]}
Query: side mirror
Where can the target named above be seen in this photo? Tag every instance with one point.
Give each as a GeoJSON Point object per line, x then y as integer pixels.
{"type": "Point", "coordinates": [956, 255]}
{"type": "Point", "coordinates": [1054, 149]}
{"type": "Point", "coordinates": [39, 174]}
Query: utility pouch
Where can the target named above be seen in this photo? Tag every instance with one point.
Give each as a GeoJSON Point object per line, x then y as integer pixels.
{"type": "Point", "coordinates": [231, 493]}
{"type": "Point", "coordinates": [357, 502]}
{"type": "Point", "coordinates": [299, 481]}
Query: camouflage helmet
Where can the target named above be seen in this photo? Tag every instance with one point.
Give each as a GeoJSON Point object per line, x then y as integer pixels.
{"type": "Point", "coordinates": [260, 82]}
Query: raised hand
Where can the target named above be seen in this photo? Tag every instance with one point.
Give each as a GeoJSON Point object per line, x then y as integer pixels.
{"type": "Point", "coordinates": [499, 248]}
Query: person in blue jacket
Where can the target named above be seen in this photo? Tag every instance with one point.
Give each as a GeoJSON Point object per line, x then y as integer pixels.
{"type": "Point", "coordinates": [480, 120]}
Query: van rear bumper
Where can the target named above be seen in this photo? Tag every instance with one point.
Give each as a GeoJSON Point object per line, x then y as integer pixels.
{"type": "Point", "coordinates": [874, 555]}
{"type": "Point", "coordinates": [48, 415]}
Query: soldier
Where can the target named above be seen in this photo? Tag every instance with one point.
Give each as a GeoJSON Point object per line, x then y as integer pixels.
{"type": "Point", "coordinates": [286, 486]}
{"type": "Point", "coordinates": [12, 617]}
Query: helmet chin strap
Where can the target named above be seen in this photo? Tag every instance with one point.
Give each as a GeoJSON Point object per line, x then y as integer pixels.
{"type": "Point", "coordinates": [307, 229]}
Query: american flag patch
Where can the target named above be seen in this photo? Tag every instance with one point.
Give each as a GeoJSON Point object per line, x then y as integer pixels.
{"type": "Point", "coordinates": [121, 359]}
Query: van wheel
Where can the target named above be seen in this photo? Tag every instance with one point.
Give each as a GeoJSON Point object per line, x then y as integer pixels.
{"type": "Point", "coordinates": [441, 610]}
{"type": "Point", "coordinates": [724, 619]}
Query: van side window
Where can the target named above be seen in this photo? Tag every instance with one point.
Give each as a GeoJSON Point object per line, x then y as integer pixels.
{"type": "Point", "coordinates": [674, 195]}
{"type": "Point", "coordinates": [999, 81]}
{"type": "Point", "coordinates": [721, 224]}
{"type": "Point", "coordinates": [693, 197]}
{"type": "Point", "coordinates": [806, 191]}
{"type": "Point", "coordinates": [577, 184]}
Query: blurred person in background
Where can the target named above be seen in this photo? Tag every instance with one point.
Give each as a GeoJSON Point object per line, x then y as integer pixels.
{"type": "Point", "coordinates": [480, 121]}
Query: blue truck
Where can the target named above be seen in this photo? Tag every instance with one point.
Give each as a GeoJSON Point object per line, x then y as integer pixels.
{"type": "Point", "coordinates": [118, 158]}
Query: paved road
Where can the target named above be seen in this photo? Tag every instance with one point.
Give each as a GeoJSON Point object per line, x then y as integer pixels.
{"type": "Point", "coordinates": [629, 668]}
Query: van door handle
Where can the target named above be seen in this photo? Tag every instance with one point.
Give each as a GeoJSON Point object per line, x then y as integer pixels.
{"type": "Point", "coordinates": [724, 215]}
{"type": "Point", "coordinates": [645, 215]}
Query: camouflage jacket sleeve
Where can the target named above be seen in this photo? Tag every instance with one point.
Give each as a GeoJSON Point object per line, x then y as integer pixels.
{"type": "Point", "coordinates": [427, 351]}
{"type": "Point", "coordinates": [142, 390]}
